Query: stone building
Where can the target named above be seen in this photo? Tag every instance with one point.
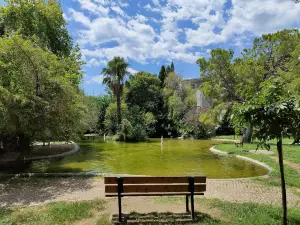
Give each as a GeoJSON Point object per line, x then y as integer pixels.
{"type": "Point", "coordinates": [202, 101]}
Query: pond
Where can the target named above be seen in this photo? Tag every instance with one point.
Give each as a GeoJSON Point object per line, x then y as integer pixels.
{"type": "Point", "coordinates": [173, 158]}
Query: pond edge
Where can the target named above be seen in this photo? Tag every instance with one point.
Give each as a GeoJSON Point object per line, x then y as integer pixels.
{"type": "Point", "coordinates": [74, 150]}
{"type": "Point", "coordinates": [218, 152]}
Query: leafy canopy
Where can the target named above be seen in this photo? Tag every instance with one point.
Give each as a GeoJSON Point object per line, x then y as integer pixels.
{"type": "Point", "coordinates": [40, 20]}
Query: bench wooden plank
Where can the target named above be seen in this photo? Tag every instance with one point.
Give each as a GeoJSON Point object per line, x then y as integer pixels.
{"type": "Point", "coordinates": [154, 180]}
{"type": "Point", "coordinates": [155, 188]}
{"type": "Point", "coordinates": [154, 194]}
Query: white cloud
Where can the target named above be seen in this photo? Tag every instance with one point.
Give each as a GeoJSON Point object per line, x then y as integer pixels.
{"type": "Point", "coordinates": [132, 71]}
{"type": "Point", "coordinates": [93, 62]}
{"type": "Point", "coordinates": [123, 4]}
{"type": "Point", "coordinates": [141, 18]}
{"type": "Point", "coordinates": [260, 17]}
{"type": "Point", "coordinates": [172, 38]}
{"type": "Point", "coordinates": [103, 2]}
{"type": "Point", "coordinates": [118, 10]}
{"type": "Point", "coordinates": [66, 18]}
{"type": "Point", "coordinates": [156, 3]}
{"type": "Point", "coordinates": [149, 8]}
{"type": "Point", "coordinates": [94, 7]}
{"type": "Point", "coordinates": [79, 17]}
{"type": "Point", "coordinates": [97, 79]}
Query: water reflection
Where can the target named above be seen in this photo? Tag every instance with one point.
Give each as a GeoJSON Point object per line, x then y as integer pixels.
{"type": "Point", "coordinates": [172, 158]}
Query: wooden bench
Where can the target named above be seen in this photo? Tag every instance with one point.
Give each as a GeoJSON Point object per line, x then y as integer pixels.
{"type": "Point", "coordinates": [155, 186]}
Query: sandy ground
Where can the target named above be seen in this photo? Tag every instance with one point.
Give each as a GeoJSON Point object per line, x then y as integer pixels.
{"type": "Point", "coordinates": [35, 191]}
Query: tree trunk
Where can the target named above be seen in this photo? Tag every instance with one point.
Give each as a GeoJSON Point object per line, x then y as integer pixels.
{"type": "Point", "coordinates": [283, 189]}
{"type": "Point", "coordinates": [296, 141]}
{"type": "Point", "coordinates": [248, 134]}
{"type": "Point", "coordinates": [23, 143]}
{"type": "Point", "coordinates": [119, 108]}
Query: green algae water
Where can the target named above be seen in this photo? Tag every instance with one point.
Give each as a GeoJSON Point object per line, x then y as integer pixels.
{"type": "Point", "coordinates": [173, 158]}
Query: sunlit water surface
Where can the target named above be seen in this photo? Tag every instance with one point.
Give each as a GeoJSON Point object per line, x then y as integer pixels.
{"type": "Point", "coordinates": [173, 158]}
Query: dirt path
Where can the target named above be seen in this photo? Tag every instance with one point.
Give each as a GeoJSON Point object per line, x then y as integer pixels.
{"type": "Point", "coordinates": [34, 191]}
{"type": "Point", "coordinates": [290, 164]}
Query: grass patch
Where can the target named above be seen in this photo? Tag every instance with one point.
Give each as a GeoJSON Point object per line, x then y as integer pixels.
{"type": "Point", "coordinates": [53, 213]}
{"type": "Point", "coordinates": [229, 137]}
{"type": "Point", "coordinates": [291, 153]}
{"type": "Point", "coordinates": [252, 213]}
{"type": "Point", "coordinates": [240, 213]}
{"type": "Point", "coordinates": [92, 212]}
{"type": "Point", "coordinates": [285, 141]}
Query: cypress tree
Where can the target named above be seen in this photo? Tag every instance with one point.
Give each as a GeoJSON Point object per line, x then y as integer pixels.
{"type": "Point", "coordinates": [168, 70]}
{"type": "Point", "coordinates": [162, 75]}
{"type": "Point", "coordinates": [172, 67]}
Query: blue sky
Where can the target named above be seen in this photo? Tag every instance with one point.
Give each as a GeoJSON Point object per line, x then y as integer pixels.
{"type": "Point", "coordinates": [149, 33]}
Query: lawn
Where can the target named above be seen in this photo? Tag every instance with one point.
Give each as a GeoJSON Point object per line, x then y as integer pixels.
{"type": "Point", "coordinates": [93, 212]}
{"type": "Point", "coordinates": [290, 153]}
{"type": "Point", "coordinates": [229, 137]}
{"type": "Point", "coordinates": [224, 212]}
{"type": "Point", "coordinates": [62, 213]}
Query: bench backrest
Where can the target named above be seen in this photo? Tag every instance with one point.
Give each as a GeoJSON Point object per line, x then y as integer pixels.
{"type": "Point", "coordinates": [146, 185]}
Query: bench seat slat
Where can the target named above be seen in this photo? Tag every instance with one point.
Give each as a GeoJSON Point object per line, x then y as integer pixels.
{"type": "Point", "coordinates": [153, 180]}
{"type": "Point", "coordinates": [154, 194]}
{"type": "Point", "coordinates": [155, 188]}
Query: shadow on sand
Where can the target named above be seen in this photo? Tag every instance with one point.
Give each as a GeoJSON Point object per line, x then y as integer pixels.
{"type": "Point", "coordinates": [161, 218]}
{"type": "Point", "coordinates": [31, 191]}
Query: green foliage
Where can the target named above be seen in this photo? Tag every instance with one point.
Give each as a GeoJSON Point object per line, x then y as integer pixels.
{"type": "Point", "coordinates": [138, 121]}
{"type": "Point", "coordinates": [136, 125]}
{"type": "Point", "coordinates": [102, 103]}
{"type": "Point", "coordinates": [151, 122]}
{"type": "Point", "coordinates": [172, 67]}
{"type": "Point", "coordinates": [95, 114]}
{"type": "Point", "coordinates": [162, 75]}
{"type": "Point", "coordinates": [249, 73]}
{"type": "Point", "coordinates": [126, 129]}
{"type": "Point", "coordinates": [192, 127]}
{"type": "Point", "coordinates": [38, 20]}
{"type": "Point", "coordinates": [144, 90]}
{"type": "Point", "coordinates": [111, 117]}
{"type": "Point", "coordinates": [273, 51]}
{"type": "Point", "coordinates": [181, 102]}
{"type": "Point", "coordinates": [219, 78]}
{"type": "Point", "coordinates": [215, 116]}
{"type": "Point", "coordinates": [237, 81]}
{"type": "Point", "coordinates": [164, 72]}
{"type": "Point", "coordinates": [272, 111]}
{"type": "Point", "coordinates": [168, 70]}
{"type": "Point", "coordinates": [115, 74]}
{"type": "Point", "coordinates": [37, 96]}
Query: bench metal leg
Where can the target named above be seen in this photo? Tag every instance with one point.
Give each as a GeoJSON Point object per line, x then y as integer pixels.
{"type": "Point", "coordinates": [193, 208]}
{"type": "Point", "coordinates": [120, 190]}
{"type": "Point", "coordinates": [192, 189]}
{"type": "Point", "coordinates": [120, 208]}
{"type": "Point", "coordinates": [187, 203]}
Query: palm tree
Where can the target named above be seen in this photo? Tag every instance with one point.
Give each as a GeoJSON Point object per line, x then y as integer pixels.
{"type": "Point", "coordinates": [114, 78]}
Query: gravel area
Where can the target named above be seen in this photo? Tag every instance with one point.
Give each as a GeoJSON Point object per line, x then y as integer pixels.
{"type": "Point", "coordinates": [34, 191]}
{"type": "Point", "coordinates": [261, 152]}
